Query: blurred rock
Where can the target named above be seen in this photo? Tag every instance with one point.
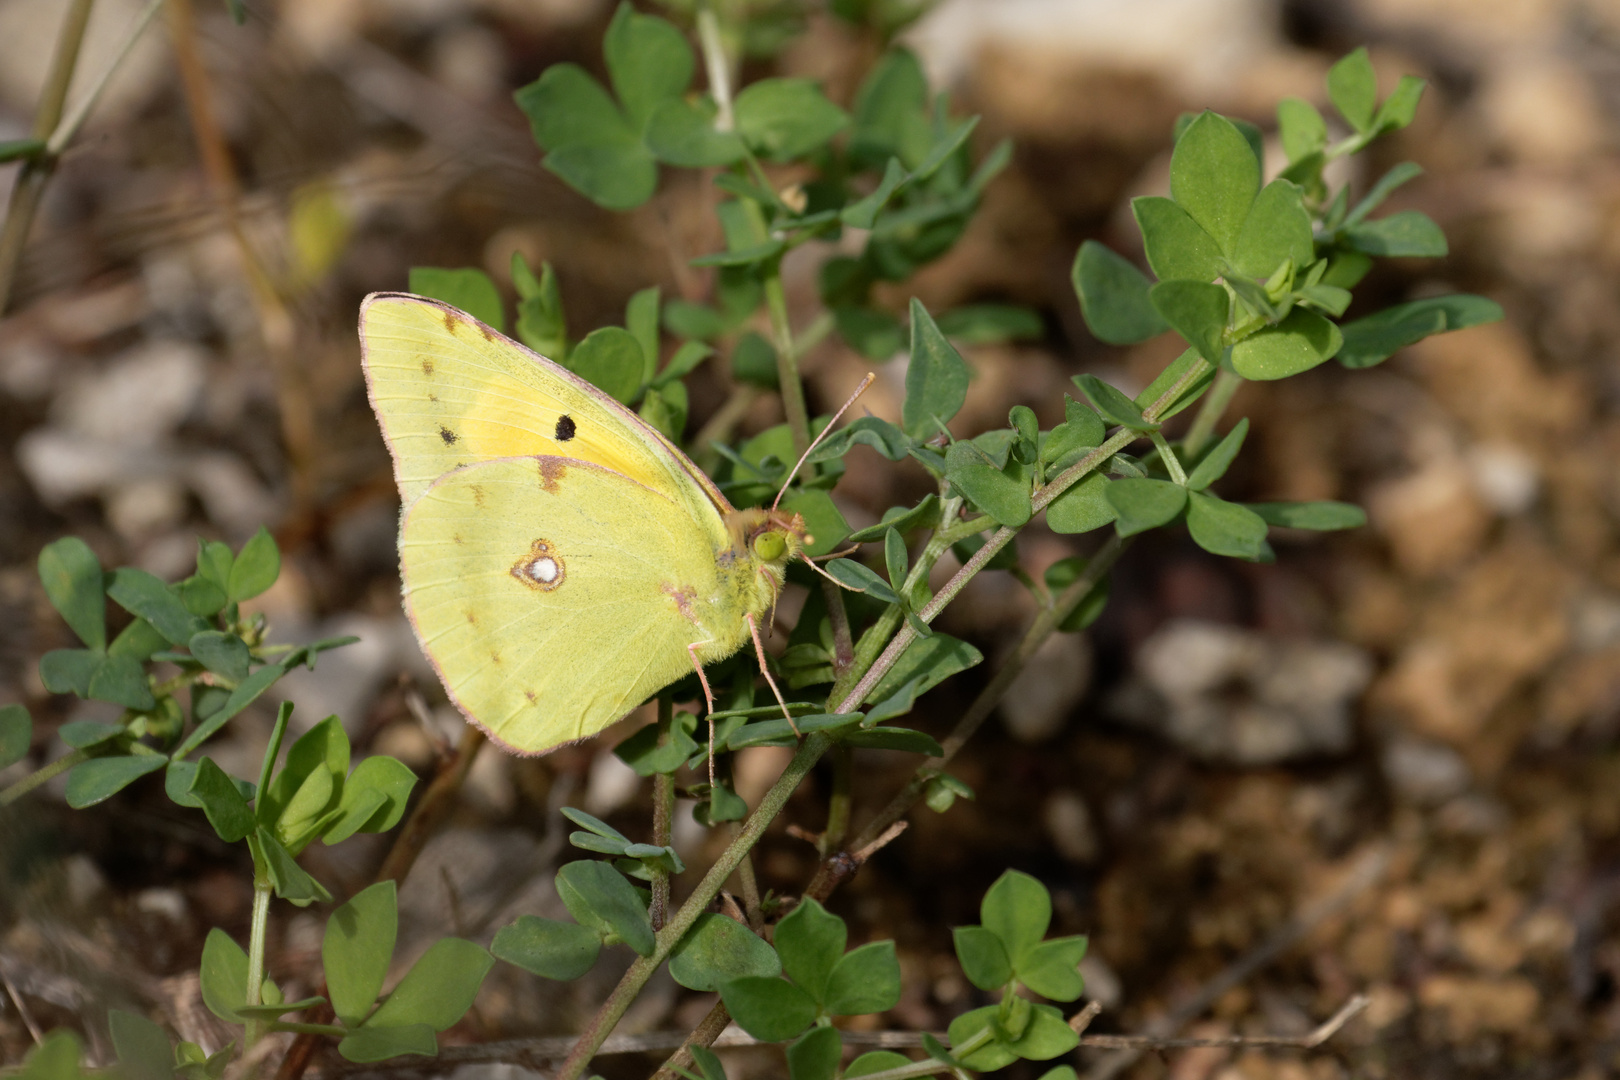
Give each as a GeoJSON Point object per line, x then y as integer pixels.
{"type": "Point", "coordinates": [345, 681]}
{"type": "Point", "coordinates": [1476, 1006]}
{"type": "Point", "coordinates": [1433, 518]}
{"type": "Point", "coordinates": [1542, 109]}
{"type": "Point", "coordinates": [145, 506]}
{"type": "Point", "coordinates": [1068, 822]}
{"type": "Point", "coordinates": [1423, 772]}
{"type": "Point", "coordinates": [1504, 476]}
{"type": "Point", "coordinates": [1102, 985]}
{"type": "Point", "coordinates": [611, 784]}
{"type": "Point", "coordinates": [138, 398]}
{"type": "Point", "coordinates": [1037, 704]}
{"type": "Point", "coordinates": [1228, 694]}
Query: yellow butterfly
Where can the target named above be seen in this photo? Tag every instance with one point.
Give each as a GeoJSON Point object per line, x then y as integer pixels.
{"type": "Point", "coordinates": [561, 559]}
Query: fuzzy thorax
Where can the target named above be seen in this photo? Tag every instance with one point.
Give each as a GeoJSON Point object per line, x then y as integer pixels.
{"type": "Point", "coordinates": [765, 541]}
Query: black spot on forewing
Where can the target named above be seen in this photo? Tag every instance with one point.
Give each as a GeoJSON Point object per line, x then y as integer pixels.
{"type": "Point", "coordinates": [566, 428]}
{"type": "Point", "coordinates": [447, 435]}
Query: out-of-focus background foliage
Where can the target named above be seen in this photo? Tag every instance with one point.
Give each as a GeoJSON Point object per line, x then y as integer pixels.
{"type": "Point", "coordinates": [1440, 691]}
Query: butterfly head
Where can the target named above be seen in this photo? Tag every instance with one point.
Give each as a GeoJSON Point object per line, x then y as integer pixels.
{"type": "Point", "coordinates": [772, 537]}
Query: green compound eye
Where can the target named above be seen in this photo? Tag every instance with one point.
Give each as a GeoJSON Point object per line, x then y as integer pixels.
{"type": "Point", "coordinates": [769, 546]}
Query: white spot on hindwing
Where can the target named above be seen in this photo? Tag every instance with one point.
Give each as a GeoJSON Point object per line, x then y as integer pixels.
{"type": "Point", "coordinates": [540, 568]}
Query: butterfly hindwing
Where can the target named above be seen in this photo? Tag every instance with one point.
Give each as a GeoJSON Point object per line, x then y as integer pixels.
{"type": "Point", "coordinates": [554, 595]}
{"type": "Point", "coordinates": [450, 391]}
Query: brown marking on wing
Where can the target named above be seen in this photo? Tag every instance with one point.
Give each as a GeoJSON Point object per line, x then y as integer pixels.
{"type": "Point", "coordinates": [684, 599]}
{"type": "Point", "coordinates": [489, 335]}
{"type": "Point", "coordinates": [551, 471]}
{"type": "Point", "coordinates": [535, 564]}
{"type": "Point", "coordinates": [450, 321]}
{"type": "Point", "coordinates": [530, 695]}
{"type": "Point", "coordinates": [447, 435]}
{"type": "Point", "coordinates": [431, 397]}
{"type": "Point", "coordinates": [472, 617]}
{"type": "Point", "coordinates": [427, 368]}
{"type": "Point", "coordinates": [478, 495]}
{"type": "Point", "coordinates": [494, 656]}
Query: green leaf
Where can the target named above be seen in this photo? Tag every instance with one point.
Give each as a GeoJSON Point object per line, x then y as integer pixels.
{"type": "Point", "coordinates": [1005, 499]}
{"type": "Point", "coordinates": [895, 559]}
{"type": "Point", "coordinates": [1177, 247]}
{"type": "Point", "coordinates": [122, 681]}
{"type": "Point", "coordinates": [144, 1052]}
{"type": "Point", "coordinates": [142, 594]}
{"type": "Point", "coordinates": [225, 655]}
{"type": "Point", "coordinates": [548, 948]}
{"type": "Point", "coordinates": [1190, 392]}
{"type": "Point", "coordinates": [1063, 573]}
{"type": "Point", "coordinates": [875, 1061]}
{"type": "Point", "coordinates": [373, 800]}
{"type": "Point", "coordinates": [864, 211]}
{"type": "Point", "coordinates": [982, 956]}
{"type": "Point", "coordinates": [138, 641]}
{"type": "Point", "coordinates": [1214, 176]}
{"type": "Point", "coordinates": [874, 334]}
{"type": "Point", "coordinates": [1062, 1072]}
{"type": "Point", "coordinates": [83, 734]}
{"type": "Point", "coordinates": [68, 671]}
{"type": "Point", "coordinates": [179, 776]}
{"type": "Point", "coordinates": [291, 881]}
{"type": "Point", "coordinates": [541, 323]}
{"type": "Point", "coordinates": [356, 949]}
{"type": "Point", "coordinates": [890, 110]}
{"type": "Point", "coordinates": [201, 596]}
{"type": "Point", "coordinates": [1400, 174]}
{"type": "Point", "coordinates": [16, 734]}
{"type": "Point", "coordinates": [439, 988]}
{"type": "Point", "coordinates": [990, 324]}
{"type": "Point", "coordinates": [1017, 909]}
{"type": "Point", "coordinates": [936, 380]}
{"type": "Point", "coordinates": [786, 118]}
{"type": "Point", "coordinates": [865, 980]}
{"type": "Point", "coordinates": [1140, 505]}
{"type": "Point", "coordinates": [237, 700]}
{"type": "Point", "coordinates": [1409, 233]}
{"type": "Point", "coordinates": [370, 1044]}
{"type": "Point", "coordinates": [1375, 338]}
{"type": "Point", "coordinates": [1319, 516]}
{"type": "Point", "coordinates": [815, 1054]}
{"type": "Point", "coordinates": [1301, 127]}
{"type": "Point", "coordinates": [610, 359]}
{"type": "Point", "coordinates": [769, 1009]}
{"type": "Point", "coordinates": [1278, 229]}
{"type": "Point", "coordinates": [890, 738]}
{"type": "Point", "coordinates": [932, 659]}
{"type": "Point", "coordinates": [1214, 464]}
{"type": "Point", "coordinates": [1400, 107]}
{"type": "Point", "coordinates": [684, 362]}
{"type": "Point", "coordinates": [718, 949]}
{"type": "Point", "coordinates": [821, 516]}
{"type": "Point", "coordinates": [753, 360]}
{"type": "Point", "coordinates": [1081, 428]}
{"type": "Point", "coordinates": [1083, 507]}
{"type": "Point", "coordinates": [648, 62]}
{"type": "Point", "coordinates": [707, 1062]}
{"type": "Point", "coordinates": [1049, 968]}
{"type": "Point", "coordinates": [614, 175]}
{"type": "Point", "coordinates": [1224, 528]}
{"type": "Point", "coordinates": [992, 1055]}
{"type": "Point", "coordinates": [593, 824]}
{"type": "Point", "coordinates": [1198, 311]}
{"type": "Point", "coordinates": [310, 783]}
{"type": "Point", "coordinates": [899, 519]}
{"type": "Point", "coordinates": [598, 896]}
{"type": "Point", "coordinates": [683, 134]}
{"type": "Point", "coordinates": [1300, 342]}
{"type": "Point", "coordinates": [279, 1009]}
{"type": "Point", "coordinates": [664, 407]}
{"type": "Point", "coordinates": [1114, 296]}
{"type": "Point", "coordinates": [465, 288]}
{"type": "Point", "coordinates": [214, 560]}
{"type": "Point", "coordinates": [57, 1058]}
{"type": "Point", "coordinates": [810, 941]}
{"type": "Point", "coordinates": [641, 319]}
{"type": "Point", "coordinates": [73, 583]}
{"type": "Point", "coordinates": [1329, 298]}
{"type": "Point", "coordinates": [1112, 405]}
{"type": "Point", "coordinates": [858, 577]}
{"type": "Point", "coordinates": [872, 431]}
{"type": "Point", "coordinates": [92, 781]}
{"type": "Point", "coordinates": [221, 800]}
{"type": "Point", "coordinates": [1354, 89]}
{"type": "Point", "coordinates": [223, 976]}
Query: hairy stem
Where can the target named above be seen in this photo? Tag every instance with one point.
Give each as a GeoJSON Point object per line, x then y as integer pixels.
{"type": "Point", "coordinates": [262, 889]}
{"type": "Point", "coordinates": [1209, 413]}
{"type": "Point", "coordinates": [832, 838]}
{"type": "Point", "coordinates": [663, 811]}
{"type": "Point", "coordinates": [34, 779]}
{"type": "Point", "coordinates": [30, 184]}
{"type": "Point", "coordinates": [787, 359]}
{"type": "Point", "coordinates": [601, 1025]}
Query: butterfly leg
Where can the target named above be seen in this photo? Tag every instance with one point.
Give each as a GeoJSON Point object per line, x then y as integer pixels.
{"type": "Point", "coordinates": [708, 696]}
{"type": "Point", "coordinates": [759, 647]}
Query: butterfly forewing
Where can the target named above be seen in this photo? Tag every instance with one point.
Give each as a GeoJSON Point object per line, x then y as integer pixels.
{"type": "Point", "coordinates": [554, 596]}
{"type": "Point", "coordinates": [450, 391]}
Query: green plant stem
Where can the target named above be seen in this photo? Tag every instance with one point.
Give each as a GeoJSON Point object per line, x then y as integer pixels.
{"type": "Point", "coordinates": [787, 359]}
{"type": "Point", "coordinates": [832, 838]}
{"type": "Point", "coordinates": [273, 750]}
{"type": "Point", "coordinates": [717, 65]}
{"type": "Point", "coordinates": [34, 779]}
{"type": "Point", "coordinates": [29, 187]}
{"type": "Point", "coordinates": [70, 125]}
{"type": "Point", "coordinates": [1172, 464]}
{"type": "Point", "coordinates": [663, 811]}
{"type": "Point", "coordinates": [933, 1066]}
{"type": "Point", "coordinates": [601, 1025]}
{"type": "Point", "coordinates": [838, 618]}
{"type": "Point", "coordinates": [262, 889]}
{"type": "Point", "coordinates": [1209, 413]}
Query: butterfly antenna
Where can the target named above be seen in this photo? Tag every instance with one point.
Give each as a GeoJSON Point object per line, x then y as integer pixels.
{"type": "Point", "coordinates": [811, 563]}
{"type": "Point", "coordinates": [859, 390]}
